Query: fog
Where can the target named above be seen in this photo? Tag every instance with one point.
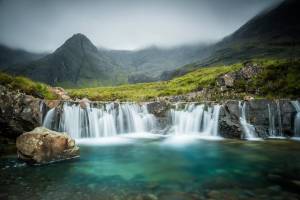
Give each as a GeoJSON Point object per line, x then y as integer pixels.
{"type": "Point", "coordinates": [40, 25]}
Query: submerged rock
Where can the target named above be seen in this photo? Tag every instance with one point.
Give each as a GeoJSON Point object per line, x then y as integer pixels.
{"type": "Point", "coordinates": [42, 145]}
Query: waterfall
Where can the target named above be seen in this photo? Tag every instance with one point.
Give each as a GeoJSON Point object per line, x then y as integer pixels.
{"type": "Point", "coordinates": [101, 120]}
{"type": "Point", "coordinates": [296, 105]}
{"type": "Point", "coordinates": [272, 128]}
{"type": "Point", "coordinates": [48, 119]}
{"type": "Point", "coordinates": [280, 132]}
{"type": "Point", "coordinates": [274, 131]}
{"type": "Point", "coordinates": [196, 119]}
{"type": "Point", "coordinates": [249, 129]}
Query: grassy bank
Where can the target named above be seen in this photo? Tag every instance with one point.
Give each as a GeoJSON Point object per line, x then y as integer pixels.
{"type": "Point", "coordinates": [27, 86]}
{"type": "Point", "coordinates": [278, 79]}
{"type": "Point", "coordinates": [190, 82]}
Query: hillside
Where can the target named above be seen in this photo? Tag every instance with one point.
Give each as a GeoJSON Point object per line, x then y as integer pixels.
{"type": "Point", "coordinates": [27, 86]}
{"type": "Point", "coordinates": [155, 60]}
{"type": "Point", "coordinates": [264, 79]}
{"type": "Point", "coordinates": [277, 79]}
{"type": "Point", "coordinates": [275, 33]}
{"type": "Point", "coordinates": [10, 56]}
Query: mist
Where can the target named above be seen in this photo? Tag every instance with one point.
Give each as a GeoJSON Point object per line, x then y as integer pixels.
{"type": "Point", "coordinates": [41, 26]}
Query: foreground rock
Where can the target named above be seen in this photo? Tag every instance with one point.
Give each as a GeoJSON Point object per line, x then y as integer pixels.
{"type": "Point", "coordinates": [42, 145]}
{"type": "Point", "coordinates": [19, 113]}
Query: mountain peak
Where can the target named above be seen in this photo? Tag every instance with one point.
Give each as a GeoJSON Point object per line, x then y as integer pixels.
{"type": "Point", "coordinates": [79, 36]}
{"type": "Point", "coordinates": [78, 42]}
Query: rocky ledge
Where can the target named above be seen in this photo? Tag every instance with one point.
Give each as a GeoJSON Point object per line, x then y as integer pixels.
{"type": "Point", "coordinates": [42, 146]}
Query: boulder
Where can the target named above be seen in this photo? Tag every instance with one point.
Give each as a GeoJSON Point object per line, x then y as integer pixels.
{"type": "Point", "coordinates": [158, 108]}
{"type": "Point", "coordinates": [60, 92]}
{"type": "Point", "coordinates": [42, 145]}
{"type": "Point", "coordinates": [248, 71]}
{"type": "Point", "coordinates": [229, 124]}
{"type": "Point", "coordinates": [84, 103]}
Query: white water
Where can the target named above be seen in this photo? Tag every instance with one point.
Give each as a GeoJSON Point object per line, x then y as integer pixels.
{"type": "Point", "coordinates": [48, 120]}
{"type": "Point", "coordinates": [249, 129]}
{"type": "Point", "coordinates": [113, 119]}
{"type": "Point", "coordinates": [101, 120]}
{"type": "Point", "coordinates": [296, 105]}
{"type": "Point", "coordinates": [272, 128]}
{"type": "Point", "coordinates": [280, 131]}
{"type": "Point", "coordinates": [273, 131]}
{"type": "Point", "coordinates": [195, 119]}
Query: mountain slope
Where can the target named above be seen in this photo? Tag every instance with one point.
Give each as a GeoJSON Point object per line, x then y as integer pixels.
{"type": "Point", "coordinates": [76, 63]}
{"type": "Point", "coordinates": [154, 60]}
{"type": "Point", "coordinates": [10, 56]}
{"type": "Point", "coordinates": [275, 32]}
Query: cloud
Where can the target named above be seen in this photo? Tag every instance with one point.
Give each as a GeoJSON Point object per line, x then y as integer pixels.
{"type": "Point", "coordinates": [122, 24]}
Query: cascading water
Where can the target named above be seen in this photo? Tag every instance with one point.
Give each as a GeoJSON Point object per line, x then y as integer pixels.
{"type": "Point", "coordinates": [48, 119]}
{"type": "Point", "coordinates": [280, 132]}
{"type": "Point", "coordinates": [249, 129]}
{"type": "Point", "coordinates": [272, 128]}
{"type": "Point", "coordinates": [274, 131]}
{"type": "Point", "coordinates": [100, 120]}
{"type": "Point", "coordinates": [196, 119]}
{"type": "Point", "coordinates": [296, 105]}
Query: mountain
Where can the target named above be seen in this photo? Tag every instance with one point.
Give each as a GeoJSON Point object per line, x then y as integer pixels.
{"type": "Point", "coordinates": [274, 33]}
{"type": "Point", "coordinates": [154, 60]}
{"type": "Point", "coordinates": [10, 56]}
{"type": "Point", "coordinates": [76, 63]}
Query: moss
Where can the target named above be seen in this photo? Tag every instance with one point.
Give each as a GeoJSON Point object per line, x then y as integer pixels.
{"type": "Point", "coordinates": [27, 86]}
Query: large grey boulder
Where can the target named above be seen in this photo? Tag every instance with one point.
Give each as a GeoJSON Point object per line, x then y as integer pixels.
{"type": "Point", "coordinates": [42, 145]}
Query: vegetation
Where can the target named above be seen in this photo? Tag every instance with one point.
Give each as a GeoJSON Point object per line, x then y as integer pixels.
{"type": "Point", "coordinates": [27, 86]}
{"type": "Point", "coordinates": [278, 79]}
{"type": "Point", "coordinates": [190, 82]}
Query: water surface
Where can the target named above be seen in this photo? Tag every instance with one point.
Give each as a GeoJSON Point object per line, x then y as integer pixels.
{"type": "Point", "coordinates": [161, 168]}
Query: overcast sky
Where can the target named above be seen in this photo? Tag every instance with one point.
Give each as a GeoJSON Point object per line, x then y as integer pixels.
{"type": "Point", "coordinates": [40, 25]}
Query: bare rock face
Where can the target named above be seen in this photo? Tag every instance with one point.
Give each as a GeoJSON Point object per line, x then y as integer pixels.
{"type": "Point", "coordinates": [229, 124]}
{"type": "Point", "coordinates": [42, 145]}
{"type": "Point", "coordinates": [258, 115]}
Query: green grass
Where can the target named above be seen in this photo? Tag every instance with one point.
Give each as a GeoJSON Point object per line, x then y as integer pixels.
{"type": "Point", "coordinates": [278, 79]}
{"type": "Point", "coordinates": [190, 82]}
{"type": "Point", "coordinates": [27, 86]}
